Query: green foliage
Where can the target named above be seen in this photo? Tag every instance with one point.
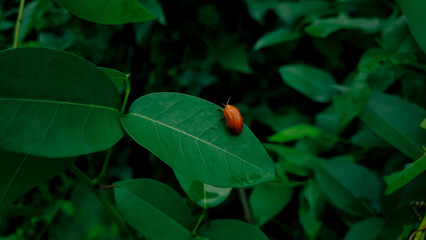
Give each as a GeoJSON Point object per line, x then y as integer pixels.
{"type": "Point", "coordinates": [331, 93]}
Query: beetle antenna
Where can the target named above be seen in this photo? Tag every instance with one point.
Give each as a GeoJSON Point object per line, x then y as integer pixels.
{"type": "Point", "coordinates": [228, 100]}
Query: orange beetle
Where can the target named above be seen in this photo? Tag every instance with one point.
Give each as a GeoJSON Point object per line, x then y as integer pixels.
{"type": "Point", "coordinates": [233, 118]}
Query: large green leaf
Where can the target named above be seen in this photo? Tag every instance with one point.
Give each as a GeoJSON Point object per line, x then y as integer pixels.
{"type": "Point", "coordinates": [188, 134]}
{"type": "Point", "coordinates": [414, 11]}
{"type": "Point", "coordinates": [398, 179]}
{"type": "Point", "coordinates": [230, 229]}
{"type": "Point", "coordinates": [154, 209]}
{"type": "Point", "coordinates": [20, 172]}
{"type": "Point", "coordinates": [202, 193]}
{"type": "Point", "coordinates": [349, 186]}
{"type": "Point", "coordinates": [367, 229]}
{"type": "Point", "coordinates": [55, 104]}
{"type": "Point", "coordinates": [108, 11]}
{"type": "Point", "coordinates": [397, 121]}
{"type": "Point", "coordinates": [314, 83]}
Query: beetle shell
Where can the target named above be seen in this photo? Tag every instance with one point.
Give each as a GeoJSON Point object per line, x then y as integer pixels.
{"type": "Point", "coordinates": [233, 118]}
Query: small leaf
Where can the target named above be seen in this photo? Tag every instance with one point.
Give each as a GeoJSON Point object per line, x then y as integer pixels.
{"type": "Point", "coordinates": [187, 134]}
{"type": "Point", "coordinates": [292, 160]}
{"type": "Point", "coordinates": [156, 9]}
{"type": "Point", "coordinates": [60, 106]}
{"type": "Point", "coordinates": [399, 179]}
{"type": "Point", "coordinates": [20, 172]}
{"type": "Point", "coordinates": [295, 132]}
{"type": "Point", "coordinates": [311, 201]}
{"type": "Point", "coordinates": [276, 37]}
{"type": "Point", "coordinates": [154, 209]}
{"type": "Point", "coordinates": [236, 59]}
{"type": "Point", "coordinates": [324, 27]}
{"type": "Point", "coordinates": [289, 12]}
{"type": "Point", "coordinates": [268, 199]}
{"type": "Point", "coordinates": [397, 122]}
{"type": "Point", "coordinates": [107, 11]}
{"type": "Point", "coordinates": [349, 186]}
{"type": "Point", "coordinates": [423, 124]}
{"type": "Point", "coordinates": [367, 229]}
{"type": "Point", "coordinates": [117, 77]}
{"type": "Point", "coordinates": [195, 190]}
{"type": "Point", "coordinates": [314, 83]}
{"type": "Point", "coordinates": [230, 229]}
{"type": "Point", "coordinates": [414, 11]}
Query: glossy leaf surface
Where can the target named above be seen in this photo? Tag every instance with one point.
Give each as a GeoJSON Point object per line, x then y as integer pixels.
{"type": "Point", "coordinates": [230, 229]}
{"type": "Point", "coordinates": [276, 37]}
{"type": "Point", "coordinates": [187, 134]}
{"type": "Point", "coordinates": [70, 110]}
{"type": "Point", "coordinates": [397, 121]}
{"type": "Point", "coordinates": [154, 209]}
{"type": "Point", "coordinates": [414, 11]}
{"type": "Point", "coordinates": [20, 172]}
{"type": "Point", "coordinates": [107, 11]}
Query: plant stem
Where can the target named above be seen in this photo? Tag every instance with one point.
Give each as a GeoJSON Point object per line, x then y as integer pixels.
{"type": "Point", "coordinates": [247, 212]}
{"type": "Point", "coordinates": [18, 23]}
{"type": "Point", "coordinates": [126, 95]}
{"type": "Point", "coordinates": [203, 213]}
{"type": "Point", "coordinates": [102, 174]}
{"type": "Point", "coordinates": [420, 233]}
{"type": "Point", "coordinates": [114, 212]}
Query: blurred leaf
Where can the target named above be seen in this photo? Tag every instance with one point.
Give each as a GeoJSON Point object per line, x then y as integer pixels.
{"type": "Point", "coordinates": [154, 209]}
{"type": "Point", "coordinates": [397, 122]}
{"type": "Point", "coordinates": [208, 15]}
{"type": "Point", "coordinates": [71, 110]}
{"type": "Point", "coordinates": [268, 199]}
{"type": "Point", "coordinates": [156, 9]}
{"type": "Point", "coordinates": [186, 133]}
{"type": "Point", "coordinates": [289, 12]}
{"type": "Point", "coordinates": [195, 190]}
{"type": "Point", "coordinates": [230, 229]}
{"type": "Point", "coordinates": [311, 202]}
{"type": "Point", "coordinates": [108, 11]}
{"type": "Point", "coordinates": [235, 59]}
{"type": "Point", "coordinates": [328, 121]}
{"type": "Point", "coordinates": [324, 27]}
{"type": "Point", "coordinates": [397, 37]}
{"type": "Point", "coordinates": [292, 160]}
{"type": "Point", "coordinates": [414, 11]}
{"type": "Point", "coordinates": [381, 78]}
{"type": "Point", "coordinates": [117, 77]}
{"type": "Point", "coordinates": [398, 179]}
{"type": "Point", "coordinates": [423, 124]}
{"type": "Point", "coordinates": [314, 83]}
{"type": "Point", "coordinates": [349, 186]}
{"type": "Point", "coordinates": [295, 132]}
{"type": "Point", "coordinates": [367, 138]}
{"type": "Point", "coordinates": [367, 229]}
{"type": "Point", "coordinates": [276, 37]}
{"type": "Point", "coordinates": [258, 8]}
{"type": "Point", "coordinates": [20, 172]}
{"type": "Point", "coordinates": [196, 81]}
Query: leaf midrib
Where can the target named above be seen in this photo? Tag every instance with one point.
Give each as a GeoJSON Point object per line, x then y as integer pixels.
{"type": "Point", "coordinates": [59, 102]}
{"type": "Point", "coordinates": [201, 140]}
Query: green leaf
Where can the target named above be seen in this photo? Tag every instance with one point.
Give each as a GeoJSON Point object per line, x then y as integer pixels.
{"type": "Point", "coordinates": [195, 190]}
{"type": "Point", "coordinates": [324, 27]}
{"type": "Point", "coordinates": [55, 104]}
{"type": "Point", "coordinates": [414, 11]}
{"type": "Point", "coordinates": [156, 9]}
{"type": "Point", "coordinates": [295, 132]}
{"type": "Point", "coordinates": [20, 172]}
{"type": "Point", "coordinates": [268, 199]}
{"type": "Point", "coordinates": [349, 186]}
{"type": "Point", "coordinates": [397, 122]}
{"type": "Point", "coordinates": [399, 179]}
{"type": "Point", "coordinates": [187, 134]}
{"type": "Point", "coordinates": [236, 59]}
{"type": "Point", "coordinates": [289, 12]}
{"type": "Point", "coordinates": [276, 37]}
{"type": "Point", "coordinates": [311, 201]}
{"type": "Point", "coordinates": [230, 229]}
{"type": "Point", "coordinates": [118, 78]}
{"type": "Point", "coordinates": [367, 138]}
{"type": "Point", "coordinates": [154, 209]}
{"type": "Point", "coordinates": [367, 229]}
{"type": "Point", "coordinates": [108, 11]}
{"type": "Point", "coordinates": [423, 124]}
{"type": "Point", "coordinates": [292, 160]}
{"type": "Point", "coordinates": [314, 83]}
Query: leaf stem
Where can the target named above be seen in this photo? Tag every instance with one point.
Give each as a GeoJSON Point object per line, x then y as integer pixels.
{"type": "Point", "coordinates": [419, 234]}
{"type": "Point", "coordinates": [203, 213]}
{"type": "Point", "coordinates": [246, 208]}
{"type": "Point", "coordinates": [102, 174]}
{"type": "Point", "coordinates": [18, 23]}
{"type": "Point", "coordinates": [114, 212]}
{"type": "Point", "coordinates": [126, 94]}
